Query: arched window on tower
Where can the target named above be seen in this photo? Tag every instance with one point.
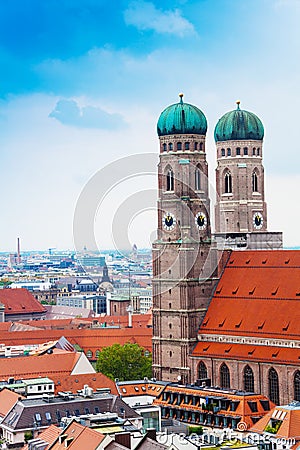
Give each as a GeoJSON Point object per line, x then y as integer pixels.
{"type": "Point", "coordinates": [227, 183]}
{"type": "Point", "coordinates": [197, 179]}
{"type": "Point", "coordinates": [201, 146]}
{"type": "Point", "coordinates": [224, 376]}
{"type": "Point", "coordinates": [254, 182]}
{"type": "Point", "coordinates": [248, 379]}
{"type": "Point", "coordinates": [170, 146]}
{"type": "Point", "coordinates": [297, 386]}
{"type": "Point", "coordinates": [179, 145]}
{"type": "Point", "coordinates": [170, 180]}
{"type": "Point", "coordinates": [202, 371]}
{"type": "Point", "coordinates": [273, 386]}
{"type": "Point", "coordinates": [164, 147]}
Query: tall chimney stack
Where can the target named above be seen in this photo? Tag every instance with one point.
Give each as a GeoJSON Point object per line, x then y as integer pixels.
{"type": "Point", "coordinates": [18, 251]}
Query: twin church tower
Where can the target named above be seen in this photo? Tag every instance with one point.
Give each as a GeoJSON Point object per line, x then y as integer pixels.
{"type": "Point", "coordinates": [187, 256]}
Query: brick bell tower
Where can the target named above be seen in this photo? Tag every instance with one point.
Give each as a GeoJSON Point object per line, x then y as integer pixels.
{"type": "Point", "coordinates": [184, 262]}
{"type": "Point", "coordinates": [241, 210]}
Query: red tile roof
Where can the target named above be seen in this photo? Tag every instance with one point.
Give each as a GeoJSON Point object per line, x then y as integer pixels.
{"type": "Point", "coordinates": [266, 285]}
{"type": "Point", "coordinates": [49, 435]}
{"type": "Point", "coordinates": [129, 389]}
{"type": "Point", "coordinates": [87, 339]}
{"type": "Point", "coordinates": [247, 352]}
{"type": "Point", "coordinates": [290, 422]}
{"type": "Point", "coordinates": [7, 400]}
{"type": "Point", "coordinates": [242, 410]}
{"type": "Point", "coordinates": [80, 437]}
{"type": "Point", "coordinates": [138, 321]}
{"type": "Point", "coordinates": [5, 326]}
{"type": "Point", "coordinates": [73, 383]}
{"type": "Point", "coordinates": [20, 301]}
{"type": "Point", "coordinates": [26, 367]}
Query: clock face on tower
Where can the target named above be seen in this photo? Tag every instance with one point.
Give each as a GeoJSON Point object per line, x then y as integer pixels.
{"type": "Point", "coordinates": [257, 220]}
{"type": "Point", "coordinates": [200, 220]}
{"type": "Point", "coordinates": [169, 221]}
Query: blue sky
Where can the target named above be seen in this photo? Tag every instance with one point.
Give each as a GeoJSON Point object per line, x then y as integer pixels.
{"type": "Point", "coordinates": [82, 83]}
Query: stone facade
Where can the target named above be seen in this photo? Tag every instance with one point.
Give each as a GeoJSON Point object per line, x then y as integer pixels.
{"type": "Point", "coordinates": [240, 187]}
{"type": "Point", "coordinates": [285, 372]}
{"type": "Point", "coordinates": [184, 260]}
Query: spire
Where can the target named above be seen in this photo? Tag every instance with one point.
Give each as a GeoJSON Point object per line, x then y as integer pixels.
{"type": "Point", "coordinates": [181, 97]}
{"type": "Point", "coordinates": [238, 104]}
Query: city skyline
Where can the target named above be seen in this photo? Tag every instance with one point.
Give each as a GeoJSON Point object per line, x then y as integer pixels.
{"type": "Point", "coordinates": [83, 84]}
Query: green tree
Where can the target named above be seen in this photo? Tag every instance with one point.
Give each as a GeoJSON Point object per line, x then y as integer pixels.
{"type": "Point", "coordinates": [126, 362]}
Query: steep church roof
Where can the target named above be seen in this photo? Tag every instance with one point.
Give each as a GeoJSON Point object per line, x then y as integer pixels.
{"type": "Point", "coordinates": [257, 297]}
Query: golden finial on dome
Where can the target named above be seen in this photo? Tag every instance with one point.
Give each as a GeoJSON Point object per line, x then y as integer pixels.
{"type": "Point", "coordinates": [238, 102]}
{"type": "Point", "coordinates": [181, 97]}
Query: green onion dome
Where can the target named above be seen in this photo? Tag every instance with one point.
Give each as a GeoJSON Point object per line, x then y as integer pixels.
{"type": "Point", "coordinates": [239, 125]}
{"type": "Point", "coordinates": [181, 118]}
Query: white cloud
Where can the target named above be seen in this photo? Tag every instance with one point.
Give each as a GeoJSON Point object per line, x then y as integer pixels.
{"type": "Point", "coordinates": [287, 3]}
{"type": "Point", "coordinates": [68, 112]}
{"type": "Point", "coordinates": [145, 16]}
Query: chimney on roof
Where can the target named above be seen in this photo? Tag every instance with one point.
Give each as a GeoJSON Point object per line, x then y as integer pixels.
{"type": "Point", "coordinates": [151, 433]}
{"type": "Point", "coordinates": [123, 439]}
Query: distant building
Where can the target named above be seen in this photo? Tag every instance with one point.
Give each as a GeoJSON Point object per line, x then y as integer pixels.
{"type": "Point", "coordinates": [91, 261]}
{"type": "Point", "coordinates": [31, 285]}
{"type": "Point", "coordinates": [86, 285]}
{"type": "Point", "coordinates": [96, 302]}
{"type": "Point", "coordinates": [20, 304]}
{"type": "Point", "coordinates": [46, 296]}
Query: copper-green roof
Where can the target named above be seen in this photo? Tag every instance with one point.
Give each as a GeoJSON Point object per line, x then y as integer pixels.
{"type": "Point", "coordinates": [181, 118]}
{"type": "Point", "coordinates": [239, 125]}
